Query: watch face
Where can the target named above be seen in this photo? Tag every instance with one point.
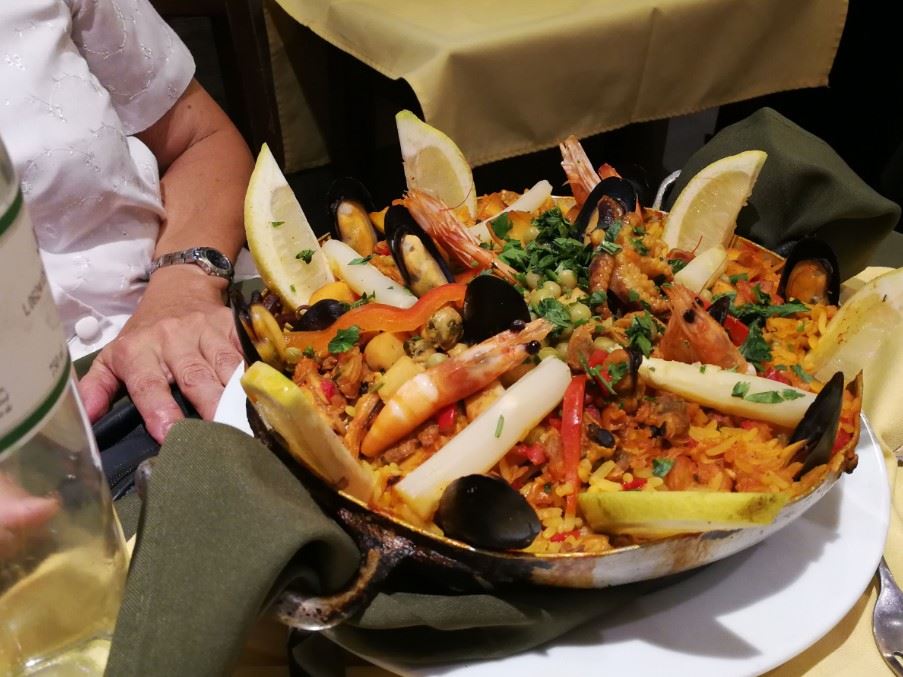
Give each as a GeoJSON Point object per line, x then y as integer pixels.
{"type": "Point", "coordinates": [218, 259]}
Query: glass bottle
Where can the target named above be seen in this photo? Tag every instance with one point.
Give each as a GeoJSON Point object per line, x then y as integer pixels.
{"type": "Point", "coordinates": [62, 555]}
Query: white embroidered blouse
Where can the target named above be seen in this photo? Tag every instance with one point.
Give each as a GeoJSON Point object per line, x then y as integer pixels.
{"type": "Point", "coordinates": [78, 78]}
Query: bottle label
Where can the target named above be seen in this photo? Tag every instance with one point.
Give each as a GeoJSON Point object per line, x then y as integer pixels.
{"type": "Point", "coordinates": [34, 359]}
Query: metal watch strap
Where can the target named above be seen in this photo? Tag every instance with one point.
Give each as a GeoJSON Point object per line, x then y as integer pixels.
{"type": "Point", "coordinates": [208, 259]}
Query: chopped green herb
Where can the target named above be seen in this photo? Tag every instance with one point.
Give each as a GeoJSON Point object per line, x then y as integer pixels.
{"type": "Point", "coordinates": [640, 333]}
{"type": "Point", "coordinates": [740, 389]}
{"type": "Point", "coordinates": [593, 373]}
{"type": "Point", "coordinates": [597, 298]}
{"type": "Point", "coordinates": [617, 371]}
{"type": "Point", "coordinates": [292, 287]}
{"type": "Point", "coordinates": [790, 394]}
{"type": "Point", "coordinates": [662, 466]}
{"type": "Point", "coordinates": [276, 224]}
{"type": "Point", "coordinates": [702, 369]}
{"type": "Point", "coordinates": [614, 229]}
{"type": "Point", "coordinates": [780, 367]}
{"type": "Point", "coordinates": [309, 351]}
{"type": "Point", "coordinates": [633, 296]}
{"type": "Point", "coordinates": [801, 327]}
{"type": "Point", "coordinates": [345, 339]}
{"type": "Point", "coordinates": [305, 255]}
{"type": "Point", "coordinates": [751, 311]}
{"type": "Point", "coordinates": [360, 260]}
{"type": "Point", "coordinates": [639, 230]}
{"type": "Point", "coordinates": [499, 426]}
{"type": "Point", "coordinates": [639, 246]}
{"type": "Point", "coordinates": [762, 297]}
{"type": "Point", "coordinates": [677, 265]}
{"type": "Point", "coordinates": [738, 276]}
{"type": "Point", "coordinates": [798, 370]}
{"type": "Point", "coordinates": [501, 226]}
{"type": "Point", "coordinates": [485, 245]}
{"type": "Point", "coordinates": [767, 397]}
{"type": "Point", "coordinates": [609, 247]}
{"type": "Point", "coordinates": [555, 312]}
{"type": "Point", "coordinates": [363, 300]}
{"type": "Point", "coordinates": [755, 348]}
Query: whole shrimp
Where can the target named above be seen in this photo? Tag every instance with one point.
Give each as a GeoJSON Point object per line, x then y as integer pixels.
{"type": "Point", "coordinates": [448, 382]}
{"type": "Point", "coordinates": [692, 335]}
{"type": "Point", "coordinates": [438, 220]}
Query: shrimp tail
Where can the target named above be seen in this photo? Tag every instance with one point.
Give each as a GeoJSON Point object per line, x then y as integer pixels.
{"type": "Point", "coordinates": [451, 235]}
{"type": "Point", "coordinates": [448, 382]}
{"type": "Point", "coordinates": [579, 170]}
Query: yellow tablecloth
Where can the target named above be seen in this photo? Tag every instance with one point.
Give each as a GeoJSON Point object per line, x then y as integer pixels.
{"type": "Point", "coordinates": [509, 77]}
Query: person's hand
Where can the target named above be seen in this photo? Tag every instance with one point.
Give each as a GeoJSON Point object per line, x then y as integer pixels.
{"type": "Point", "coordinates": [180, 333]}
{"type": "Point", "coordinates": [21, 515]}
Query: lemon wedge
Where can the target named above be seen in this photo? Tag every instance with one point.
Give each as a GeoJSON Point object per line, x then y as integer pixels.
{"type": "Point", "coordinates": [705, 212]}
{"type": "Point", "coordinates": [860, 328]}
{"type": "Point", "coordinates": [434, 163]}
{"type": "Point", "coordinates": [282, 243]}
{"type": "Point", "coordinates": [293, 414]}
{"type": "Point", "coordinates": [661, 513]}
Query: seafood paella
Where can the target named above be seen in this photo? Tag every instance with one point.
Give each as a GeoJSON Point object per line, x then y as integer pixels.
{"type": "Point", "coordinates": [550, 374]}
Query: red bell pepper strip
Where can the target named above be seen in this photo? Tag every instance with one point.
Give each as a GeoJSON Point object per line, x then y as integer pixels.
{"type": "Point", "coordinates": [379, 317]}
{"type": "Point", "coordinates": [328, 388]}
{"type": "Point", "coordinates": [571, 434]}
{"type": "Point", "coordinates": [775, 375]}
{"type": "Point", "coordinates": [634, 484]}
{"type": "Point", "coordinates": [736, 330]}
{"type": "Point", "coordinates": [446, 419]}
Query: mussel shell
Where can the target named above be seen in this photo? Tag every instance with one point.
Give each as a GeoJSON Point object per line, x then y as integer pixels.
{"type": "Point", "coordinates": [614, 187]}
{"type": "Point", "coordinates": [347, 189]}
{"type": "Point", "coordinates": [320, 315]}
{"type": "Point", "coordinates": [485, 512]}
{"type": "Point", "coordinates": [813, 249]}
{"type": "Point", "coordinates": [398, 223]}
{"type": "Point", "coordinates": [491, 306]}
{"type": "Point", "coordinates": [719, 308]}
{"type": "Point", "coordinates": [819, 425]}
{"type": "Point", "coordinates": [240, 313]}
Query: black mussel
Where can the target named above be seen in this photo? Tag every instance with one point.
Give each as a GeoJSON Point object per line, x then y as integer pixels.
{"type": "Point", "coordinates": [320, 315]}
{"type": "Point", "coordinates": [349, 207]}
{"type": "Point", "coordinates": [819, 425]}
{"type": "Point", "coordinates": [607, 202]}
{"type": "Point", "coordinates": [485, 512]}
{"type": "Point", "coordinates": [719, 308]}
{"type": "Point", "coordinates": [414, 252]}
{"type": "Point", "coordinates": [491, 305]}
{"type": "Point", "coordinates": [811, 273]}
{"type": "Point", "coordinates": [241, 315]}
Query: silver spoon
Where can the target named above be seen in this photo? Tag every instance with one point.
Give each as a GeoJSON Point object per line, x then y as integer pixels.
{"type": "Point", "coordinates": [887, 620]}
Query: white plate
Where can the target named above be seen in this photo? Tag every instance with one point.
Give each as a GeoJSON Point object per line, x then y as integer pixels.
{"type": "Point", "coordinates": [741, 616]}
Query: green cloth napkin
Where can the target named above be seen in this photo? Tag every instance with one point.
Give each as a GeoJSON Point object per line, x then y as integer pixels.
{"type": "Point", "coordinates": [226, 525]}
{"type": "Point", "coordinates": [805, 188]}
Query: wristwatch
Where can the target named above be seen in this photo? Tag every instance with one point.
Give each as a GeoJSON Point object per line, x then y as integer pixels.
{"type": "Point", "coordinates": [208, 259]}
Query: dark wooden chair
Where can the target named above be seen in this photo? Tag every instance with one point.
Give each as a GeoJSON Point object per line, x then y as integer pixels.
{"type": "Point", "coordinates": [243, 52]}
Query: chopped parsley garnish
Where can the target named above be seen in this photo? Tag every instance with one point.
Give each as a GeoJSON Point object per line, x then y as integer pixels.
{"type": "Point", "coordinates": [762, 297]}
{"type": "Point", "coordinates": [755, 349]}
{"type": "Point", "coordinates": [292, 287]}
{"type": "Point", "coordinates": [597, 298]}
{"type": "Point", "coordinates": [741, 389]}
{"type": "Point", "coordinates": [798, 370]}
{"type": "Point", "coordinates": [345, 339]}
{"type": "Point", "coordinates": [363, 300]}
{"type": "Point", "coordinates": [360, 260]}
{"type": "Point", "coordinates": [555, 312]}
{"type": "Point", "coordinates": [662, 466]}
{"type": "Point", "coordinates": [677, 265]}
{"type": "Point", "coordinates": [609, 247]}
{"type": "Point", "coordinates": [593, 373]}
{"type": "Point", "coordinates": [309, 351]}
{"type": "Point", "coordinates": [702, 369]}
{"type": "Point", "coordinates": [633, 296]}
{"type": "Point", "coordinates": [501, 225]}
{"type": "Point", "coordinates": [614, 228]}
{"type": "Point", "coordinates": [499, 426]}
{"type": "Point", "coordinates": [640, 333]}
{"type": "Point", "coordinates": [751, 311]}
{"type": "Point", "coordinates": [738, 276]}
{"type": "Point", "coordinates": [276, 224]}
{"type": "Point", "coordinates": [617, 371]}
{"type": "Point", "coordinates": [639, 246]}
{"type": "Point", "coordinates": [305, 255]}
{"type": "Point", "coordinates": [639, 230]}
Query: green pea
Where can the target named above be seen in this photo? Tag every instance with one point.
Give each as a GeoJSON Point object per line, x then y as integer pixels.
{"type": "Point", "coordinates": [533, 280]}
{"type": "Point", "coordinates": [567, 278]}
{"type": "Point", "coordinates": [436, 359]}
{"type": "Point", "coordinates": [530, 234]}
{"type": "Point", "coordinates": [553, 287]}
{"type": "Point", "coordinates": [579, 312]}
{"type": "Point", "coordinates": [606, 344]}
{"type": "Point", "coordinates": [538, 295]}
{"type": "Point", "coordinates": [562, 350]}
{"type": "Point", "coordinates": [547, 352]}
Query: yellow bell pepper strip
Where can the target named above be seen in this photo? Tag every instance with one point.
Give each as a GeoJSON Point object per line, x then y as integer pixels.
{"type": "Point", "coordinates": [374, 317]}
{"type": "Point", "coordinates": [571, 435]}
